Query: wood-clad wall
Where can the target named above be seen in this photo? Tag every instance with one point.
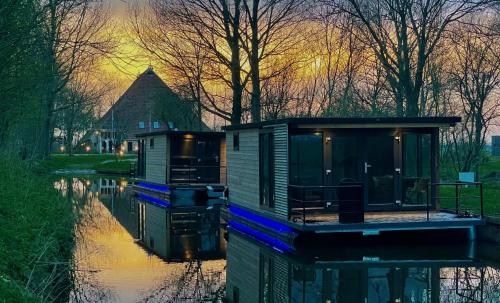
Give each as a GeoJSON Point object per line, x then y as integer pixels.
{"type": "Point", "coordinates": [243, 170]}
{"type": "Point", "coordinates": [281, 170]}
{"type": "Point", "coordinates": [244, 271]}
{"type": "Point", "coordinates": [156, 159]}
{"type": "Point", "coordinates": [155, 230]}
{"type": "Point", "coordinates": [243, 264]}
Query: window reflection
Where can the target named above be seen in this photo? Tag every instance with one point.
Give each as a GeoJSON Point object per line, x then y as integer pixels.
{"type": "Point", "coordinates": [416, 168]}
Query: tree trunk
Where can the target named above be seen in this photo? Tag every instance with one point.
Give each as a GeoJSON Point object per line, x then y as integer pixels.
{"type": "Point", "coordinates": [478, 143]}
{"type": "Point", "coordinates": [254, 64]}
{"type": "Point", "coordinates": [236, 66]}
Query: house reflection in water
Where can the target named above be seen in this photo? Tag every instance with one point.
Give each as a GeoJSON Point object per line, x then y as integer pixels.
{"type": "Point", "coordinates": [181, 233]}
{"type": "Point", "coordinates": [260, 273]}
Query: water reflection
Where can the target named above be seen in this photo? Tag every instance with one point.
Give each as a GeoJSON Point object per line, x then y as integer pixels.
{"type": "Point", "coordinates": [108, 263]}
{"type": "Point", "coordinates": [259, 273]}
{"type": "Point", "coordinates": [127, 251]}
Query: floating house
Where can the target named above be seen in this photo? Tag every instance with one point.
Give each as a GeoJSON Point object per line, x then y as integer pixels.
{"type": "Point", "coordinates": [259, 273]}
{"type": "Point", "coordinates": [182, 158]}
{"type": "Point", "coordinates": [335, 175]}
{"type": "Point", "coordinates": [180, 186]}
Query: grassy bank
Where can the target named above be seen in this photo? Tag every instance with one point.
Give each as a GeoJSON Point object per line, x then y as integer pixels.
{"type": "Point", "coordinates": [104, 163]}
{"type": "Point", "coordinates": [36, 236]}
{"type": "Point", "coordinates": [491, 190]}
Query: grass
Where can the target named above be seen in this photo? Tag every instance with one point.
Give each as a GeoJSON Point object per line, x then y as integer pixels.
{"type": "Point", "coordinates": [106, 163]}
{"type": "Point", "coordinates": [491, 165]}
{"type": "Point", "coordinates": [469, 200]}
{"type": "Point", "coordinates": [115, 167]}
{"type": "Point", "coordinates": [36, 237]}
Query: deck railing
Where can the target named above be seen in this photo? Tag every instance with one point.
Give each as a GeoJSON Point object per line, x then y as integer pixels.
{"type": "Point", "coordinates": [196, 174]}
{"type": "Point", "coordinates": [314, 204]}
{"type": "Point", "coordinates": [465, 199]}
{"type": "Point", "coordinates": [308, 203]}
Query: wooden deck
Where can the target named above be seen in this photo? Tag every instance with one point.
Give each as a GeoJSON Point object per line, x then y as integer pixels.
{"type": "Point", "coordinates": [387, 221]}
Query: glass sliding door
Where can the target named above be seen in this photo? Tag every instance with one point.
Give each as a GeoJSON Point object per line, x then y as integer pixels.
{"type": "Point", "coordinates": [306, 165]}
{"type": "Point", "coordinates": [345, 160]}
{"type": "Point", "coordinates": [416, 172]}
{"type": "Point", "coordinates": [306, 159]}
{"type": "Point", "coordinates": [379, 171]}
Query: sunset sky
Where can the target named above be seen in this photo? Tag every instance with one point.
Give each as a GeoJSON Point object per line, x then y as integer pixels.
{"type": "Point", "coordinates": [128, 60]}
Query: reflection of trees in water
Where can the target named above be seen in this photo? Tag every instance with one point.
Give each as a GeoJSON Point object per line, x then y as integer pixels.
{"type": "Point", "coordinates": [86, 289]}
{"type": "Point", "coordinates": [91, 217]}
{"type": "Point", "coordinates": [196, 284]}
{"type": "Point", "coordinates": [470, 284]}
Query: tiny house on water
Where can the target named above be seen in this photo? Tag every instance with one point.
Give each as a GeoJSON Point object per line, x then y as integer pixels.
{"type": "Point", "coordinates": [171, 162]}
{"type": "Point", "coordinates": [315, 174]}
{"type": "Point", "coordinates": [180, 178]}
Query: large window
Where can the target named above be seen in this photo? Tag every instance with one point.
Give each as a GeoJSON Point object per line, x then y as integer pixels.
{"type": "Point", "coordinates": [306, 159]}
{"type": "Point", "coordinates": [266, 163]}
{"type": "Point", "coordinates": [416, 168]}
{"type": "Point", "coordinates": [194, 159]}
{"type": "Point", "coordinates": [345, 159]}
{"type": "Point", "coordinates": [306, 168]}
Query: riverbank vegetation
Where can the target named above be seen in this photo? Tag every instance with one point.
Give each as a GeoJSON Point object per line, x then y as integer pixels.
{"type": "Point", "coordinates": [36, 238]}
{"type": "Point", "coordinates": [100, 162]}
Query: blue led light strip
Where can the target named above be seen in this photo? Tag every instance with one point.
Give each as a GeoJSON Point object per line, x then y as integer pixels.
{"type": "Point", "coordinates": [162, 188]}
{"type": "Point", "coordinates": [153, 200]}
{"type": "Point", "coordinates": [268, 223]}
{"type": "Point", "coordinates": [260, 236]}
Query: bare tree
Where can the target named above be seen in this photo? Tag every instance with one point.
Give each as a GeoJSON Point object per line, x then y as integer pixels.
{"type": "Point", "coordinates": [403, 34]}
{"type": "Point", "coordinates": [476, 76]}
{"type": "Point", "coordinates": [76, 112]}
{"type": "Point", "coordinates": [74, 37]}
{"type": "Point", "coordinates": [267, 30]}
{"type": "Point", "coordinates": [211, 26]}
{"type": "Point", "coordinates": [185, 61]}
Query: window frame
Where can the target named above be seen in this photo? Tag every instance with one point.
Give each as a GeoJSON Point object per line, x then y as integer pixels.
{"type": "Point", "coordinates": [236, 141]}
{"type": "Point", "coordinates": [269, 134]}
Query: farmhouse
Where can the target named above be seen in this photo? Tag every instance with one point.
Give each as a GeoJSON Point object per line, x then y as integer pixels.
{"type": "Point", "coordinates": [147, 105]}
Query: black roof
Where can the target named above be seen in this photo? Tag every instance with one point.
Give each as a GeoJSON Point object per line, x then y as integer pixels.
{"type": "Point", "coordinates": [181, 132]}
{"type": "Point", "coordinates": [340, 121]}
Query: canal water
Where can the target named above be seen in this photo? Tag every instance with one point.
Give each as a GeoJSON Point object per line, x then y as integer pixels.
{"type": "Point", "coordinates": [112, 264]}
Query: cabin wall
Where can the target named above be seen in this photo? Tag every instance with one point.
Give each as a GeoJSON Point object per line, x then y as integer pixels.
{"type": "Point", "coordinates": [167, 161]}
{"type": "Point", "coordinates": [245, 270]}
{"type": "Point", "coordinates": [156, 159]}
{"type": "Point", "coordinates": [243, 273]}
{"type": "Point", "coordinates": [155, 230]}
{"type": "Point", "coordinates": [223, 162]}
{"type": "Point", "coordinates": [281, 170]}
{"type": "Point", "coordinates": [243, 168]}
